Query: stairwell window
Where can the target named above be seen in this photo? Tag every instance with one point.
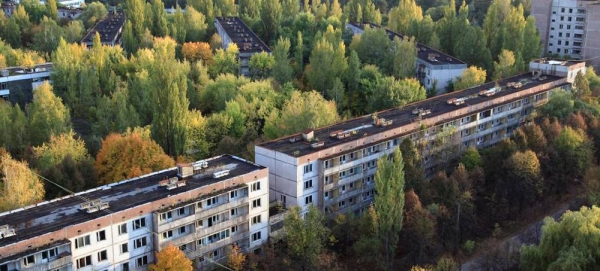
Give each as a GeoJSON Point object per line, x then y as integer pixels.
{"type": "Point", "coordinates": [256, 219]}
{"type": "Point", "coordinates": [101, 235]}
{"type": "Point", "coordinates": [255, 186]}
{"type": "Point", "coordinates": [308, 200]}
{"type": "Point", "coordinates": [308, 184]}
{"type": "Point", "coordinates": [256, 236]}
{"type": "Point", "coordinates": [139, 223]}
{"type": "Point", "coordinates": [256, 203]}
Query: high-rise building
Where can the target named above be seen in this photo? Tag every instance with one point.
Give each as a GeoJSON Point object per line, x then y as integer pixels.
{"type": "Point", "coordinates": [333, 167]}
{"type": "Point", "coordinates": [569, 28]}
{"type": "Point", "coordinates": [432, 68]}
{"type": "Point", "coordinates": [17, 83]}
{"type": "Point", "coordinates": [202, 208]}
{"type": "Point", "coordinates": [234, 30]}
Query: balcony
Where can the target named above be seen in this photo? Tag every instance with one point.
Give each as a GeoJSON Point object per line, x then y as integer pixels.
{"type": "Point", "coordinates": [200, 233]}
{"type": "Point", "coordinates": [180, 221]}
{"type": "Point", "coordinates": [57, 263]}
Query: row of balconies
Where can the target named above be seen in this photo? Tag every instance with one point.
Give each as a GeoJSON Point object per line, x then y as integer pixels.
{"type": "Point", "coordinates": [51, 265]}
{"type": "Point", "coordinates": [201, 213]}
{"type": "Point", "coordinates": [197, 233]}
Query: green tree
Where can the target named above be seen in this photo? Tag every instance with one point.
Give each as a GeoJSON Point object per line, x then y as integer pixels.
{"type": "Point", "coordinates": [471, 159]}
{"type": "Point", "coordinates": [47, 36]}
{"type": "Point", "coordinates": [195, 25]}
{"type": "Point", "coordinates": [270, 16]}
{"type": "Point", "coordinates": [374, 47]}
{"type": "Point", "coordinates": [47, 115]}
{"type": "Point", "coordinates": [282, 69]}
{"type": "Point", "coordinates": [524, 182]}
{"type": "Point", "coordinates": [13, 119]}
{"type": "Point", "coordinates": [20, 185]}
{"type": "Point", "coordinates": [566, 245]}
{"type": "Point", "coordinates": [261, 65]}
{"type": "Point", "coordinates": [532, 45]}
{"type": "Point", "coordinates": [505, 66]}
{"type": "Point", "coordinates": [52, 10]}
{"type": "Point", "coordinates": [219, 91]}
{"type": "Point", "coordinates": [225, 61]}
{"type": "Point", "coordinates": [353, 72]}
{"type": "Point", "coordinates": [387, 92]}
{"type": "Point", "coordinates": [405, 57]}
{"type": "Point", "coordinates": [413, 167]}
{"type": "Point", "coordinates": [50, 154]}
{"type": "Point", "coordinates": [303, 110]}
{"type": "Point", "coordinates": [159, 19]}
{"type": "Point", "coordinates": [169, 97]}
{"type": "Point", "coordinates": [388, 210]}
{"type": "Point", "coordinates": [560, 105]}
{"type": "Point", "coordinates": [94, 12]}
{"type": "Point", "coordinates": [135, 26]}
{"type": "Point", "coordinates": [305, 237]}
{"type": "Point", "coordinates": [178, 28]}
{"type": "Point", "coordinates": [326, 62]}
{"type": "Point", "coordinates": [581, 86]}
{"type": "Point", "coordinates": [73, 32]}
{"type": "Point", "coordinates": [12, 33]}
{"type": "Point", "coordinates": [401, 16]}
{"type": "Point", "coordinates": [299, 54]}
{"type": "Point", "coordinates": [471, 77]}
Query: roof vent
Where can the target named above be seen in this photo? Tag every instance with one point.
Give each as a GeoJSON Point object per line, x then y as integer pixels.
{"type": "Point", "coordinates": [421, 111]}
{"type": "Point", "coordinates": [308, 134]}
{"type": "Point", "coordinates": [6, 231]}
{"type": "Point", "coordinates": [93, 206]}
{"type": "Point", "coordinates": [220, 174]}
{"type": "Point", "coordinates": [172, 183]}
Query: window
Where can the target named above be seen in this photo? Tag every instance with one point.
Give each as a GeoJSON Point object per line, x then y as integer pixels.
{"type": "Point", "coordinates": [233, 194]}
{"type": "Point", "coordinates": [341, 203]}
{"type": "Point", "coordinates": [234, 212]}
{"type": "Point", "coordinates": [562, 18]}
{"type": "Point", "coordinates": [102, 256]}
{"type": "Point", "coordinates": [234, 229]}
{"type": "Point", "coordinates": [101, 235]}
{"type": "Point", "coordinates": [82, 241]}
{"type": "Point", "coordinates": [125, 267]}
{"type": "Point", "coordinates": [308, 184]}
{"type": "Point", "coordinates": [142, 261]}
{"type": "Point", "coordinates": [255, 186]}
{"type": "Point", "coordinates": [212, 201]}
{"type": "Point", "coordinates": [181, 211]}
{"type": "Point", "coordinates": [51, 253]}
{"type": "Point", "coordinates": [342, 159]}
{"type": "Point", "coordinates": [308, 199]}
{"type": "Point", "coordinates": [183, 247]}
{"type": "Point", "coordinates": [560, 42]}
{"type": "Point", "coordinates": [123, 229]}
{"type": "Point", "coordinates": [568, 36]}
{"type": "Point", "coordinates": [139, 223]}
{"type": "Point", "coordinates": [560, 34]}
{"type": "Point", "coordinates": [140, 242]}
{"type": "Point", "coordinates": [83, 262]}
{"type": "Point", "coordinates": [256, 220]}
{"type": "Point", "coordinates": [256, 236]}
{"type": "Point", "coordinates": [256, 203]}
{"type": "Point", "coordinates": [326, 164]}
{"type": "Point", "coordinates": [327, 179]}
{"type": "Point", "coordinates": [326, 194]}
{"type": "Point", "coordinates": [199, 223]}
{"type": "Point", "coordinates": [124, 248]}
{"type": "Point", "coordinates": [29, 260]}
{"type": "Point", "coordinates": [182, 230]}
{"type": "Point", "coordinates": [213, 220]}
{"type": "Point", "coordinates": [167, 234]}
{"type": "Point", "coordinates": [308, 168]}
{"type": "Point", "coordinates": [560, 26]}
{"type": "Point", "coordinates": [343, 188]}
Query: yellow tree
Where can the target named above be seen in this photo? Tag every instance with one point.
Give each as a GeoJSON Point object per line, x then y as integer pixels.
{"type": "Point", "coordinates": [194, 51]}
{"type": "Point", "coordinates": [505, 66]}
{"type": "Point", "coordinates": [235, 259]}
{"type": "Point", "coordinates": [401, 16]}
{"type": "Point", "coordinates": [19, 186]}
{"type": "Point", "coordinates": [473, 76]}
{"type": "Point", "coordinates": [60, 146]}
{"type": "Point", "coordinates": [171, 258]}
{"type": "Point", "coordinates": [129, 155]}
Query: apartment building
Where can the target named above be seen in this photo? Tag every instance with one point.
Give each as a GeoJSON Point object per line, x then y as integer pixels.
{"type": "Point", "coordinates": [202, 208]}
{"type": "Point", "coordinates": [109, 29]}
{"type": "Point", "coordinates": [17, 83]}
{"type": "Point", "coordinates": [334, 167]}
{"type": "Point", "coordinates": [234, 30]}
{"type": "Point", "coordinates": [432, 65]}
{"type": "Point", "coordinates": [569, 28]}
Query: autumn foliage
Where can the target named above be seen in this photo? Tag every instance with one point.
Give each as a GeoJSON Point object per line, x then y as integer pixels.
{"type": "Point", "coordinates": [194, 51]}
{"type": "Point", "coordinates": [171, 258]}
{"type": "Point", "coordinates": [126, 156]}
{"type": "Point", "coordinates": [19, 186]}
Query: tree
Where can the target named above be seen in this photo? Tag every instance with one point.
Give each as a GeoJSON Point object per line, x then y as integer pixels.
{"type": "Point", "coordinates": [218, 92]}
{"type": "Point", "coordinates": [47, 36]}
{"type": "Point", "coordinates": [374, 47]}
{"type": "Point", "coordinates": [13, 119]}
{"type": "Point", "coordinates": [581, 86]}
{"type": "Point", "coordinates": [129, 155]}
{"type": "Point", "coordinates": [52, 10]}
{"type": "Point", "coordinates": [235, 258]}
{"type": "Point", "coordinates": [73, 32]}
{"type": "Point", "coordinates": [94, 12]}
{"type": "Point", "coordinates": [560, 105]}
{"type": "Point", "coordinates": [47, 115]}
{"type": "Point", "coordinates": [387, 92]}
{"type": "Point", "coordinates": [471, 159]}
{"type": "Point", "coordinates": [523, 183]}
{"type": "Point", "coordinates": [405, 57]}
{"type": "Point", "coordinates": [20, 185]}
{"type": "Point", "coordinates": [225, 61]}
{"type": "Point", "coordinates": [194, 51]}
{"type": "Point", "coordinates": [471, 77]}
{"type": "Point", "coordinates": [532, 45]}
{"type": "Point", "coordinates": [305, 238]}
{"type": "Point", "coordinates": [58, 148]}
{"type": "Point", "coordinates": [566, 245]}
{"type": "Point", "coordinates": [327, 61]}
{"type": "Point", "coordinates": [135, 25]}
{"type": "Point", "coordinates": [388, 208]}
{"type": "Point", "coordinates": [413, 167]}
{"type": "Point", "coordinates": [353, 72]}
{"type": "Point", "coordinates": [171, 258]}
{"type": "Point", "coordinates": [178, 27]}
{"type": "Point", "coordinates": [270, 15]}
{"type": "Point", "coordinates": [195, 24]}
{"type": "Point", "coordinates": [159, 19]}
{"type": "Point", "coordinates": [261, 64]}
{"type": "Point", "coordinates": [303, 110]}
{"type": "Point", "coordinates": [505, 66]}
{"type": "Point", "coordinates": [418, 231]}
{"type": "Point", "coordinates": [403, 15]}
{"type": "Point", "coordinates": [282, 70]}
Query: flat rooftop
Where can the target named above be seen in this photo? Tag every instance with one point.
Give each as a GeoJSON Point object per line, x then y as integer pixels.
{"type": "Point", "coordinates": [239, 33]}
{"type": "Point", "coordinates": [60, 213]}
{"type": "Point", "coordinates": [9, 71]}
{"type": "Point", "coordinates": [566, 63]}
{"type": "Point", "coordinates": [109, 28]}
{"type": "Point", "coordinates": [401, 116]}
{"type": "Point", "coordinates": [425, 53]}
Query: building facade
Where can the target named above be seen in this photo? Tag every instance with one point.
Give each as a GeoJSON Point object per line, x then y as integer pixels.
{"type": "Point", "coordinates": [234, 30]}
{"type": "Point", "coordinates": [109, 29]}
{"type": "Point", "coordinates": [569, 28]}
{"type": "Point", "coordinates": [432, 67]}
{"type": "Point", "coordinates": [334, 167]}
{"type": "Point", "coordinates": [17, 83]}
{"type": "Point", "coordinates": [202, 208]}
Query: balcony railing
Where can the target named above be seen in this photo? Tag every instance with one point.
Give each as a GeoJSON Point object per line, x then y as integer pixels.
{"type": "Point", "coordinates": [51, 265]}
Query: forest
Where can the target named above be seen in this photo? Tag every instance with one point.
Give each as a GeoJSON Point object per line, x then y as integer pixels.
{"type": "Point", "coordinates": [172, 94]}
